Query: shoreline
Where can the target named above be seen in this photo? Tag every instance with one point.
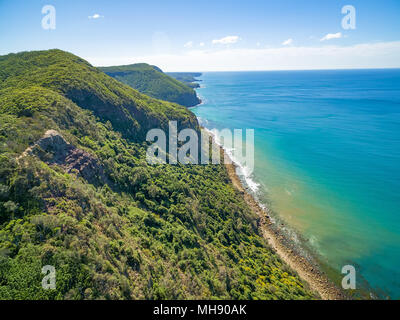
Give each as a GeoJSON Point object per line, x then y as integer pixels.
{"type": "Point", "coordinates": [308, 271]}
{"type": "Point", "coordinates": [317, 281]}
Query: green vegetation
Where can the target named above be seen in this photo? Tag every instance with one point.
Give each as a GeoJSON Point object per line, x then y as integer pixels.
{"type": "Point", "coordinates": [188, 78]}
{"type": "Point", "coordinates": [151, 81]}
{"type": "Point", "coordinates": [140, 232]}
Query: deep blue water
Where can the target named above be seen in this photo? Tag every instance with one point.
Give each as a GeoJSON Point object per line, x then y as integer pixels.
{"type": "Point", "coordinates": [327, 158]}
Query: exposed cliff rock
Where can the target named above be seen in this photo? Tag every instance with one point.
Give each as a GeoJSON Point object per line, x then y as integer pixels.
{"type": "Point", "coordinates": [52, 148]}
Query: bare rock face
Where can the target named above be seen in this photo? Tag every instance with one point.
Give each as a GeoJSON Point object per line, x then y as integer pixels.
{"type": "Point", "coordinates": [52, 148]}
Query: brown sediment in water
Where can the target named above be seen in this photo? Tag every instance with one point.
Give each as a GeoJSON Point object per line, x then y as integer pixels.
{"type": "Point", "coordinates": [308, 271]}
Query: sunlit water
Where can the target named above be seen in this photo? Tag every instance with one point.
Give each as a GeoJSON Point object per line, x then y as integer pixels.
{"type": "Point", "coordinates": [327, 158]}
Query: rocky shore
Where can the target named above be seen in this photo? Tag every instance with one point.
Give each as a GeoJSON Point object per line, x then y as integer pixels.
{"type": "Point", "coordinates": [306, 269]}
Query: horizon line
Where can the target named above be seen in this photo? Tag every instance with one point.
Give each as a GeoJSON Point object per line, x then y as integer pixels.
{"type": "Point", "coordinates": [272, 70]}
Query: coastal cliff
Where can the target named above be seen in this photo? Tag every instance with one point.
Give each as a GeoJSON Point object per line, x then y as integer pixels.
{"type": "Point", "coordinates": [77, 193]}
{"type": "Point", "coordinates": [153, 82]}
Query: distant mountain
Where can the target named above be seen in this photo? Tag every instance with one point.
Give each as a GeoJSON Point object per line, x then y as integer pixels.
{"type": "Point", "coordinates": [77, 194]}
{"type": "Point", "coordinates": [188, 78]}
{"type": "Point", "coordinates": [151, 81]}
{"type": "Point", "coordinates": [129, 111]}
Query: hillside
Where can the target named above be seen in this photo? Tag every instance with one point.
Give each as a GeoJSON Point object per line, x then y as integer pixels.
{"type": "Point", "coordinates": [77, 193]}
{"type": "Point", "coordinates": [151, 81]}
{"type": "Point", "coordinates": [188, 78]}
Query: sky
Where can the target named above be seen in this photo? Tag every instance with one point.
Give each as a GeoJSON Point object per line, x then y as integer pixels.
{"type": "Point", "coordinates": [204, 35]}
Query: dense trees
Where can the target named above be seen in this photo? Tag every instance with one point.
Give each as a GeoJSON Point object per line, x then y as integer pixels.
{"type": "Point", "coordinates": [152, 81]}
{"type": "Point", "coordinates": [188, 78]}
{"type": "Point", "coordinates": [162, 231]}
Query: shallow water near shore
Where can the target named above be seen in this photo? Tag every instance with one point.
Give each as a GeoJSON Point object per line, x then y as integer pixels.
{"type": "Point", "coordinates": [327, 158]}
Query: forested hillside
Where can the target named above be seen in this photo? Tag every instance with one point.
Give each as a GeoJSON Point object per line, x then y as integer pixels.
{"type": "Point", "coordinates": [77, 193]}
{"type": "Point", "coordinates": [188, 78]}
{"type": "Point", "coordinates": [151, 81]}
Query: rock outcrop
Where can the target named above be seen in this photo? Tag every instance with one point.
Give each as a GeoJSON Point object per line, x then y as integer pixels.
{"type": "Point", "coordinates": [52, 148]}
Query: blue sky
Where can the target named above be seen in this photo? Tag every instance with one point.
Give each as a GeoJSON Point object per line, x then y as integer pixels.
{"type": "Point", "coordinates": [210, 35]}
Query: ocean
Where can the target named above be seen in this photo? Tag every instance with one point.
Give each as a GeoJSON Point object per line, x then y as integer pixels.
{"type": "Point", "coordinates": [327, 160]}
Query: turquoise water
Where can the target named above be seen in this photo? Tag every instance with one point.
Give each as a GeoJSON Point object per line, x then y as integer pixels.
{"type": "Point", "coordinates": [327, 158]}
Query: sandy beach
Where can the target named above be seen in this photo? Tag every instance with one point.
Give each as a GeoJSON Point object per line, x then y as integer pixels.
{"type": "Point", "coordinates": [308, 271]}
